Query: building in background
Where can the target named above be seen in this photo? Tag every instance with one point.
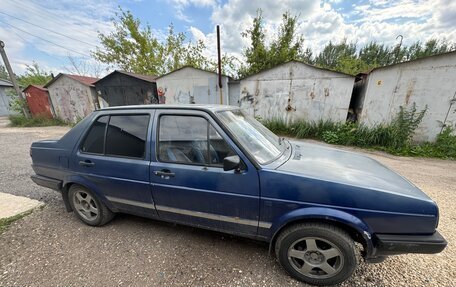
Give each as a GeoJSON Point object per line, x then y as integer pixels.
{"type": "Point", "coordinates": [4, 98]}
{"type": "Point", "coordinates": [294, 91]}
{"type": "Point", "coordinates": [427, 82]}
{"type": "Point", "coordinates": [38, 101]}
{"type": "Point", "coordinates": [73, 97]}
{"type": "Point", "coordinates": [189, 85]}
{"type": "Point", "coordinates": [121, 88]}
{"type": "Point", "coordinates": [234, 91]}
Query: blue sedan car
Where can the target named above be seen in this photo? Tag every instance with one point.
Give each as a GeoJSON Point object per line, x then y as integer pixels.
{"type": "Point", "coordinates": [215, 167]}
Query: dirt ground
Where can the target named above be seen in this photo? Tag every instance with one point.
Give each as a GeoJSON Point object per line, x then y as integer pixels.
{"type": "Point", "coordinates": [52, 248]}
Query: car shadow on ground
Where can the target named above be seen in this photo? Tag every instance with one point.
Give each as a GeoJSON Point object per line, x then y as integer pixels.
{"type": "Point", "coordinates": [181, 230]}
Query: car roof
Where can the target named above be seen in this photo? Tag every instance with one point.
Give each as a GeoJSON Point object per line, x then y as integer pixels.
{"type": "Point", "coordinates": [209, 108]}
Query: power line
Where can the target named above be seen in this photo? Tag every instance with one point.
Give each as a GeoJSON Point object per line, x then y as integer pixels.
{"type": "Point", "coordinates": [58, 33]}
{"type": "Point", "coordinates": [39, 12]}
{"type": "Point", "coordinates": [17, 34]}
{"type": "Point", "coordinates": [28, 41]}
{"type": "Point", "coordinates": [43, 39]}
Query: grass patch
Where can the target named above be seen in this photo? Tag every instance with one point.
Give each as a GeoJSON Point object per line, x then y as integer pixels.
{"type": "Point", "coordinates": [5, 222]}
{"type": "Point", "coordinates": [395, 137]}
{"type": "Point", "coordinates": [37, 121]}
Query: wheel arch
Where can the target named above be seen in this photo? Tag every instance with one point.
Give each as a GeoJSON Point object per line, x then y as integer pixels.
{"type": "Point", "coordinates": [357, 229]}
{"type": "Point", "coordinates": [81, 181]}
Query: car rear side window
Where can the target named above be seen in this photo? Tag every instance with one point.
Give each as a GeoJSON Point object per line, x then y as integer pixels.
{"type": "Point", "coordinates": [126, 135]}
{"type": "Point", "coordinates": [94, 141]}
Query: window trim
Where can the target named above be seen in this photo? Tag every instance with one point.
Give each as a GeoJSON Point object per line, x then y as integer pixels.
{"type": "Point", "coordinates": [87, 134]}
{"type": "Point", "coordinates": [105, 136]}
{"type": "Point", "coordinates": [209, 124]}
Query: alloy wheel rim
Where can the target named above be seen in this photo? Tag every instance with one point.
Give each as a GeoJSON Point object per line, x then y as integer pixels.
{"type": "Point", "coordinates": [85, 205]}
{"type": "Point", "coordinates": [315, 257]}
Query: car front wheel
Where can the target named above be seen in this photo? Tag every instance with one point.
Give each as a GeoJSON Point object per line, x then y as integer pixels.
{"type": "Point", "coordinates": [87, 207]}
{"type": "Point", "coordinates": [315, 253]}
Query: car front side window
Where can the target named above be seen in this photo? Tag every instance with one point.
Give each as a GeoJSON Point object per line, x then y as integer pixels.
{"type": "Point", "coordinates": [190, 140]}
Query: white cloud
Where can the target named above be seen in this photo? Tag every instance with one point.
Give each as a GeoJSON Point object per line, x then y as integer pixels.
{"type": "Point", "coordinates": [81, 24]}
{"type": "Point", "coordinates": [320, 23]}
{"type": "Point", "coordinates": [181, 5]}
{"type": "Point", "coordinates": [400, 9]}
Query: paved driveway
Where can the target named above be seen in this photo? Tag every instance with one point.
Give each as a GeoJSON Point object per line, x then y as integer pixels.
{"type": "Point", "coordinates": [52, 248]}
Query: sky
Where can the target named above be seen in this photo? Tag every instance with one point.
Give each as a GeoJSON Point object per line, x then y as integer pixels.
{"type": "Point", "coordinates": [50, 32]}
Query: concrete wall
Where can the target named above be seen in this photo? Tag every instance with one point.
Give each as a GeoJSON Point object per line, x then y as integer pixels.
{"type": "Point", "coordinates": [427, 82]}
{"type": "Point", "coordinates": [4, 102]}
{"type": "Point", "coordinates": [191, 86]}
{"type": "Point", "coordinates": [297, 91]}
{"type": "Point", "coordinates": [234, 91]}
{"type": "Point", "coordinates": [71, 99]}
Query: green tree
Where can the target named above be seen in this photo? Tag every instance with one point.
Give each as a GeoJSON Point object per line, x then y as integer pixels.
{"type": "Point", "coordinates": [256, 54]}
{"type": "Point", "coordinates": [351, 65]}
{"type": "Point", "coordinates": [307, 56]}
{"type": "Point", "coordinates": [3, 73]}
{"type": "Point", "coordinates": [374, 55]}
{"type": "Point", "coordinates": [33, 75]}
{"type": "Point", "coordinates": [286, 46]}
{"type": "Point", "coordinates": [332, 53]}
{"type": "Point", "coordinates": [133, 47]}
{"type": "Point", "coordinates": [342, 57]}
{"type": "Point", "coordinates": [431, 47]}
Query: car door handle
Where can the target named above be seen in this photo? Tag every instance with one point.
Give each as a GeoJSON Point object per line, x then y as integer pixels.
{"type": "Point", "coordinates": [164, 173]}
{"type": "Point", "coordinates": [86, 163]}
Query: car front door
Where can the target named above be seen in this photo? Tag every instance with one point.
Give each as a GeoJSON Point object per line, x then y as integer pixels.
{"type": "Point", "coordinates": [113, 158]}
{"type": "Point", "coordinates": [188, 182]}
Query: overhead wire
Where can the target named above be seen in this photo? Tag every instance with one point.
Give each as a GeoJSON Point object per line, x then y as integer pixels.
{"type": "Point", "coordinates": [46, 40]}
{"type": "Point", "coordinates": [37, 10]}
{"type": "Point", "coordinates": [44, 28]}
{"type": "Point", "coordinates": [50, 16]}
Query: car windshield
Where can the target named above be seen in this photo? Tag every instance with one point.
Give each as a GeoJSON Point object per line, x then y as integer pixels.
{"type": "Point", "coordinates": [253, 136]}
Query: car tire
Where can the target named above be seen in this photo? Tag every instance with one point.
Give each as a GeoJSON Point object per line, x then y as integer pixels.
{"type": "Point", "coordinates": [316, 253]}
{"type": "Point", "coordinates": [87, 207]}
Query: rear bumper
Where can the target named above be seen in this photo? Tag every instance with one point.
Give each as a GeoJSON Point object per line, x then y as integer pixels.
{"type": "Point", "coordinates": [48, 182]}
{"type": "Point", "coordinates": [400, 244]}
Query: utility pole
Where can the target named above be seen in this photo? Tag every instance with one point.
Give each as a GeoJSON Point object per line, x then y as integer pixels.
{"type": "Point", "coordinates": [13, 78]}
{"type": "Point", "coordinates": [219, 62]}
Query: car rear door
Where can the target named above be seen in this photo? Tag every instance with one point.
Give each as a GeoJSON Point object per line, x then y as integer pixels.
{"type": "Point", "coordinates": [113, 159]}
{"type": "Point", "coordinates": [188, 182]}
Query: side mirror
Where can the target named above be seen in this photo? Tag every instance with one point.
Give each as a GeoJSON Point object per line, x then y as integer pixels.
{"type": "Point", "coordinates": [231, 162]}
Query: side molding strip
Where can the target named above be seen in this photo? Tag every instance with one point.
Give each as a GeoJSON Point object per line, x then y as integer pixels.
{"type": "Point", "coordinates": [131, 202]}
{"type": "Point", "coordinates": [199, 214]}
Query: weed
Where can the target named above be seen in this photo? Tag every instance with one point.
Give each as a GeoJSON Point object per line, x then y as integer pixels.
{"type": "Point", "coordinates": [36, 121]}
{"type": "Point", "coordinates": [5, 222]}
{"type": "Point", "coordinates": [395, 137]}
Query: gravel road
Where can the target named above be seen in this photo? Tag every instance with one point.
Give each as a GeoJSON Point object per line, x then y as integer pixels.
{"type": "Point", "coordinates": [52, 248]}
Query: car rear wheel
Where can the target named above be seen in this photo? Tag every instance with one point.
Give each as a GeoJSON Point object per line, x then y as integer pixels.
{"type": "Point", "coordinates": [87, 207]}
{"type": "Point", "coordinates": [319, 254]}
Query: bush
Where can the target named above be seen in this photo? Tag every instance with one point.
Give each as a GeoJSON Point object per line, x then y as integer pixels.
{"type": "Point", "coordinates": [446, 143]}
{"type": "Point", "coordinates": [395, 137]}
{"type": "Point", "coordinates": [37, 121]}
{"type": "Point", "coordinates": [277, 126]}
